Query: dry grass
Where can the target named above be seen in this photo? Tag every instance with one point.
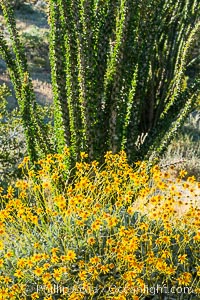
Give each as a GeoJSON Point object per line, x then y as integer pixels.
{"type": "Point", "coordinates": [184, 151]}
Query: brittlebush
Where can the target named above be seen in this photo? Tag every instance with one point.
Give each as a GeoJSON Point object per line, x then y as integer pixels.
{"type": "Point", "coordinates": [107, 232]}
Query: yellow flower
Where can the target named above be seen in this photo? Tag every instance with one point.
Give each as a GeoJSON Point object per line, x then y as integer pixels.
{"type": "Point", "coordinates": [144, 226]}
{"type": "Point", "coordinates": [71, 255]}
{"type": "Point", "coordinates": [105, 269]}
{"type": "Point", "coordinates": [140, 282]}
{"type": "Point", "coordinates": [7, 279]}
{"type": "Point", "coordinates": [82, 275]}
{"type": "Point", "coordinates": [113, 221]}
{"type": "Point", "coordinates": [185, 278]}
{"type": "Point", "coordinates": [120, 297]}
{"type": "Point", "coordinates": [18, 273]}
{"type": "Point", "coordinates": [170, 270]}
{"type": "Point", "coordinates": [165, 239]}
{"type": "Point", "coordinates": [46, 266]}
{"type": "Point", "coordinates": [161, 265]}
{"type": "Point", "coordinates": [95, 225]}
{"type": "Point", "coordinates": [91, 240]}
{"type": "Point", "coordinates": [57, 274]}
{"type": "Point", "coordinates": [1, 245]}
{"type": "Point", "coordinates": [21, 263]}
{"type": "Point", "coordinates": [36, 245]}
{"type": "Point", "coordinates": [166, 254]}
{"type": "Point", "coordinates": [182, 258]}
{"type": "Point", "coordinates": [46, 185]}
{"type": "Point", "coordinates": [55, 176]}
{"type": "Point", "coordinates": [38, 271]}
{"type": "Point", "coordinates": [54, 258]}
{"type": "Point", "coordinates": [110, 242]}
{"type": "Point", "coordinates": [29, 263]}
{"type": "Point", "coordinates": [35, 296]}
{"type": "Point", "coordinates": [25, 160]}
{"type": "Point", "coordinates": [76, 296]}
{"type": "Point", "coordinates": [54, 250]}
{"type": "Point", "coordinates": [4, 294]}
{"type": "Point", "coordinates": [191, 179]}
{"type": "Point", "coordinates": [83, 155]}
{"type": "Point", "coordinates": [34, 219]}
{"type": "Point", "coordinates": [95, 260]}
{"type": "Point", "coordinates": [66, 151]}
{"type": "Point", "coordinates": [8, 255]}
{"type": "Point", "coordinates": [198, 271]}
{"type": "Point", "coordinates": [182, 173]}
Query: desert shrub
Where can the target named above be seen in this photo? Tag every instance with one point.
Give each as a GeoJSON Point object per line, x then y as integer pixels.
{"type": "Point", "coordinates": [184, 150]}
{"type": "Point", "coordinates": [16, 3]}
{"type": "Point", "coordinates": [13, 147]}
{"type": "Point", "coordinates": [36, 45]}
{"type": "Point", "coordinates": [12, 138]}
{"type": "Point", "coordinates": [113, 232]}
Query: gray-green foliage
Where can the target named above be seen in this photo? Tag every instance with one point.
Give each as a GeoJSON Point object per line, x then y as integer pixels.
{"type": "Point", "coordinates": [119, 75]}
{"type": "Point", "coordinates": [36, 47]}
{"type": "Point", "coordinates": [12, 140]}
{"type": "Point", "coordinates": [18, 3]}
{"type": "Point", "coordinates": [12, 137]}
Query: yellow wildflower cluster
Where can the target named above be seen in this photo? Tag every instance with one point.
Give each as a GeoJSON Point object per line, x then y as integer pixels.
{"type": "Point", "coordinates": [107, 232]}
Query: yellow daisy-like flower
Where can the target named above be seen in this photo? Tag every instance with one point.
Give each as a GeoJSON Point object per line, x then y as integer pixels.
{"type": "Point", "coordinates": [71, 255]}
{"type": "Point", "coordinates": [8, 255]}
{"type": "Point", "coordinates": [182, 258]}
{"type": "Point", "coordinates": [182, 173]}
{"type": "Point", "coordinates": [184, 279]}
{"type": "Point", "coordinates": [46, 277]}
{"type": "Point", "coordinates": [54, 250]}
{"type": "Point", "coordinates": [35, 296]}
{"type": "Point", "coordinates": [57, 274]}
{"type": "Point", "coordinates": [38, 271]}
{"type": "Point", "coordinates": [91, 240]}
{"type": "Point", "coordinates": [198, 271]}
{"type": "Point", "coordinates": [1, 245]}
{"type": "Point", "coordinates": [95, 260]}
{"type": "Point", "coordinates": [82, 275]}
{"type": "Point", "coordinates": [83, 155]}
{"type": "Point", "coordinates": [18, 273]}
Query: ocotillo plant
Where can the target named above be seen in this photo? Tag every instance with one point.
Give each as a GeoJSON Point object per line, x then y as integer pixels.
{"type": "Point", "coordinates": [15, 58]}
{"type": "Point", "coordinates": [119, 74]}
